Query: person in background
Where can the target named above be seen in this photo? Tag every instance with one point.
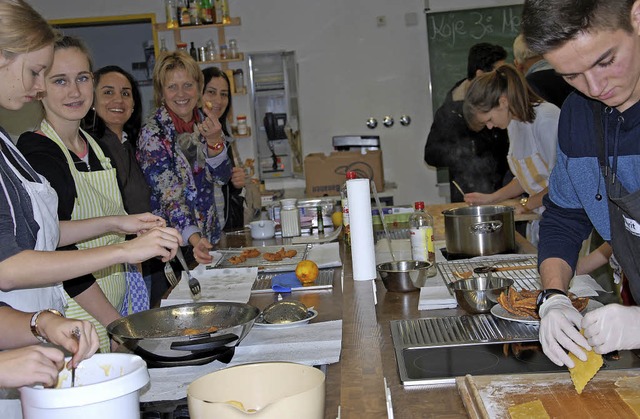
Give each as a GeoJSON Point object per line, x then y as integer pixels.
{"type": "Point", "coordinates": [114, 122]}
{"type": "Point", "coordinates": [595, 47]}
{"type": "Point", "coordinates": [539, 74]}
{"type": "Point", "coordinates": [23, 362]}
{"type": "Point", "coordinates": [229, 197]}
{"type": "Point", "coordinates": [182, 153]}
{"type": "Point", "coordinates": [503, 99]}
{"type": "Point", "coordinates": [477, 161]}
{"type": "Point", "coordinates": [85, 183]}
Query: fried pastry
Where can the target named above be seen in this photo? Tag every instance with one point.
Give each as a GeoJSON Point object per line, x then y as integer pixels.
{"type": "Point", "coordinates": [523, 303]}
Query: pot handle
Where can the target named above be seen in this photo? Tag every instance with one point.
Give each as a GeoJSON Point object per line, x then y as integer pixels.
{"type": "Point", "coordinates": [486, 227]}
{"type": "Point", "coordinates": [204, 344]}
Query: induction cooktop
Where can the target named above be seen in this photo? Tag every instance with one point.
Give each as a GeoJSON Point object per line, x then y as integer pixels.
{"type": "Point", "coordinates": [437, 350]}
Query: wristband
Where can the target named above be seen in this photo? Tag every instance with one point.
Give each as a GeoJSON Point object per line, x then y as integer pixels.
{"type": "Point", "coordinates": [34, 322]}
{"type": "Point", "coordinates": [545, 295]}
{"type": "Point", "coordinates": [217, 147]}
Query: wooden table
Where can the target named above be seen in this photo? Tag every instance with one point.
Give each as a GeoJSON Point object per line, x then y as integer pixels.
{"type": "Point", "coordinates": [355, 385]}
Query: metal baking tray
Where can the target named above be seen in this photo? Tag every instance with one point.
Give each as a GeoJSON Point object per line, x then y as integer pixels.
{"type": "Point", "coordinates": [260, 262]}
{"type": "Point", "coordinates": [528, 279]}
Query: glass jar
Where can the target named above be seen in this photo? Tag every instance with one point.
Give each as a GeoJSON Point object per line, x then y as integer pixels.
{"type": "Point", "coordinates": [242, 124]}
{"type": "Point", "coordinates": [224, 52]}
{"type": "Point", "coordinates": [182, 47]}
{"type": "Point", "coordinates": [233, 49]}
{"type": "Point", "coordinates": [289, 218]}
{"type": "Point", "coordinates": [238, 80]}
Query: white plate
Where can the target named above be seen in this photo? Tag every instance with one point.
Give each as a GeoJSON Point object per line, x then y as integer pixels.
{"type": "Point", "coordinates": [501, 313]}
{"type": "Point", "coordinates": [311, 314]}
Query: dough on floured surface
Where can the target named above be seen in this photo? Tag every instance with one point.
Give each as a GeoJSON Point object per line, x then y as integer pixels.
{"type": "Point", "coordinates": [629, 391]}
{"type": "Point", "coordinates": [530, 410]}
{"type": "Point", "coordinates": [583, 372]}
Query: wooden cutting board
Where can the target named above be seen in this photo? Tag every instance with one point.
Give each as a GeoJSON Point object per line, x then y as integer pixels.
{"type": "Point", "coordinates": [490, 396]}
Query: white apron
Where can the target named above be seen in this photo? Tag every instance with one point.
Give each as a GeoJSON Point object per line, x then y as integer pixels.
{"type": "Point", "coordinates": [533, 174]}
{"type": "Point", "coordinates": [45, 211]}
{"type": "Point", "coordinates": [44, 202]}
{"type": "Point", "coordinates": [98, 195]}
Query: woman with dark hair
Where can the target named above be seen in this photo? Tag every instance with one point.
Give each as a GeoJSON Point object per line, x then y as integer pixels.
{"type": "Point", "coordinates": [217, 93]}
{"type": "Point", "coordinates": [114, 122]}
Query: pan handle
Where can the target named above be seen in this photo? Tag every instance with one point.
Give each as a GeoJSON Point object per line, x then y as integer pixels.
{"type": "Point", "coordinates": [204, 344]}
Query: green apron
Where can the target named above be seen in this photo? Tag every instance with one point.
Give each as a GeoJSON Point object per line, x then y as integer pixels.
{"type": "Point", "coordinates": [98, 195]}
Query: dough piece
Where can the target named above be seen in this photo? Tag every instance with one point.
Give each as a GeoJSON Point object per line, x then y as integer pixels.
{"type": "Point", "coordinates": [583, 372]}
{"type": "Point", "coordinates": [530, 410]}
{"type": "Point", "coordinates": [629, 391]}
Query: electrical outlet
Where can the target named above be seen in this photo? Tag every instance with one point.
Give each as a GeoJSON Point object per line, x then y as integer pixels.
{"type": "Point", "coordinates": [381, 21]}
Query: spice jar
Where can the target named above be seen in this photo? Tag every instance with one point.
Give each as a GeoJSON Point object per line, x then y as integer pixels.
{"type": "Point", "coordinates": [242, 124]}
{"type": "Point", "coordinates": [233, 49]}
{"type": "Point", "coordinates": [224, 52]}
{"type": "Point", "coordinates": [238, 80]}
{"type": "Point", "coordinates": [289, 218]}
{"type": "Point", "coordinates": [182, 47]}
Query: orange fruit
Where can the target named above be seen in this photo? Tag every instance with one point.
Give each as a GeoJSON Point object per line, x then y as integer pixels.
{"type": "Point", "coordinates": [307, 271]}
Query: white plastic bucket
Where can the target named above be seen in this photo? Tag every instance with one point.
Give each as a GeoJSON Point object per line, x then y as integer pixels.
{"type": "Point", "coordinates": [106, 386]}
{"type": "Point", "coordinates": [269, 390]}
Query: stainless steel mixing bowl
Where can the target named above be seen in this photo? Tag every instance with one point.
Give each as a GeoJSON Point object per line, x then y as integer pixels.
{"type": "Point", "coordinates": [403, 275]}
{"type": "Point", "coordinates": [478, 295]}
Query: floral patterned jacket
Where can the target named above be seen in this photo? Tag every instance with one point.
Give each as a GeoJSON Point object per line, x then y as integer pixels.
{"type": "Point", "coordinates": [181, 176]}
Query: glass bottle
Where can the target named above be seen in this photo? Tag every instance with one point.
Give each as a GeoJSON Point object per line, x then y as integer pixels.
{"type": "Point", "coordinates": [217, 7]}
{"type": "Point", "coordinates": [226, 17]}
{"type": "Point", "coordinates": [193, 52]}
{"type": "Point", "coordinates": [346, 231]}
{"type": "Point", "coordinates": [184, 19]}
{"type": "Point", "coordinates": [171, 12]}
{"type": "Point", "coordinates": [238, 80]}
{"type": "Point", "coordinates": [212, 54]}
{"type": "Point", "coordinates": [194, 12]}
{"type": "Point", "coordinates": [421, 235]}
{"type": "Point", "coordinates": [206, 15]}
{"type": "Point", "coordinates": [163, 45]}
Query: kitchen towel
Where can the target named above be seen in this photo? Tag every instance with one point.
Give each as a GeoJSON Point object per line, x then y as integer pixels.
{"type": "Point", "coordinates": [228, 284]}
{"type": "Point", "coordinates": [363, 256]}
{"type": "Point", "coordinates": [311, 344]}
{"type": "Point", "coordinates": [435, 297]}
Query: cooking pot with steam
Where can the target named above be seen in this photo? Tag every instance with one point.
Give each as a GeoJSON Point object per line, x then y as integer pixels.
{"type": "Point", "coordinates": [479, 230]}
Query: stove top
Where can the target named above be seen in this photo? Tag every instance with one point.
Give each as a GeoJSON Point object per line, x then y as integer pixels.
{"type": "Point", "coordinates": [436, 350]}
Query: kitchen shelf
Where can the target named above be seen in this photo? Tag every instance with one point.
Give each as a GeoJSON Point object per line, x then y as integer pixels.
{"type": "Point", "coordinates": [162, 27]}
{"type": "Point", "coordinates": [228, 60]}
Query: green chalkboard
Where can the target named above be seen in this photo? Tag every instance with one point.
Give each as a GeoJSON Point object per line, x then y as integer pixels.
{"type": "Point", "coordinates": [452, 33]}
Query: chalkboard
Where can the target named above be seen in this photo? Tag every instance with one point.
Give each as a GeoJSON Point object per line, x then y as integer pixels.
{"type": "Point", "coordinates": [452, 33]}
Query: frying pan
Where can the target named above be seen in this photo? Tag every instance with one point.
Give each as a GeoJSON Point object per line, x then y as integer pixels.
{"type": "Point", "coordinates": [181, 335]}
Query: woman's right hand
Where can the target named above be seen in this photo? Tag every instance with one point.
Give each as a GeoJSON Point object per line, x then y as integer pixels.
{"type": "Point", "coordinates": [201, 249]}
{"type": "Point", "coordinates": [30, 365]}
{"type": "Point", "coordinates": [477, 198]}
{"type": "Point", "coordinates": [160, 241]}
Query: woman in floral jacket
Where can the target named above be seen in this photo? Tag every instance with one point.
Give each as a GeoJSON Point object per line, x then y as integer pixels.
{"type": "Point", "coordinates": [182, 153]}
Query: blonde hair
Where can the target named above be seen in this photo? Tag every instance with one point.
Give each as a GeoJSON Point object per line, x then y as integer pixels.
{"type": "Point", "coordinates": [22, 29]}
{"type": "Point", "coordinates": [485, 91]}
{"type": "Point", "coordinates": [170, 61]}
{"type": "Point", "coordinates": [521, 51]}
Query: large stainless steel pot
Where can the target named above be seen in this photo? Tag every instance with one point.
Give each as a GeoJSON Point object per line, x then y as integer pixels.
{"type": "Point", "coordinates": [181, 334]}
{"type": "Point", "coordinates": [479, 230]}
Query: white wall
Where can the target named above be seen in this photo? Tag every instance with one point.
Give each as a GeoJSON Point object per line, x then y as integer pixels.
{"type": "Point", "coordinates": [350, 69]}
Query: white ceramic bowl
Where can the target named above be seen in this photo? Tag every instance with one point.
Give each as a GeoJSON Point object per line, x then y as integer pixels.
{"type": "Point", "coordinates": [276, 390]}
{"type": "Point", "coordinates": [106, 386]}
{"type": "Point", "coordinates": [262, 229]}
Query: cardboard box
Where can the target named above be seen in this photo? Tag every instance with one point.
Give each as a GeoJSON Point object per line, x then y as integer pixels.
{"type": "Point", "coordinates": [325, 175]}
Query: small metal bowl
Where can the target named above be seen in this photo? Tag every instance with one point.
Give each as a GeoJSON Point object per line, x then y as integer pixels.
{"type": "Point", "coordinates": [478, 295]}
{"type": "Point", "coordinates": [403, 275]}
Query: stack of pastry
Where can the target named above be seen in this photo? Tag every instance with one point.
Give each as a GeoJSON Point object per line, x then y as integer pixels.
{"type": "Point", "coordinates": [523, 303]}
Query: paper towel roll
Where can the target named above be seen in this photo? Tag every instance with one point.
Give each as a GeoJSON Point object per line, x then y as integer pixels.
{"type": "Point", "coordinates": [363, 256]}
